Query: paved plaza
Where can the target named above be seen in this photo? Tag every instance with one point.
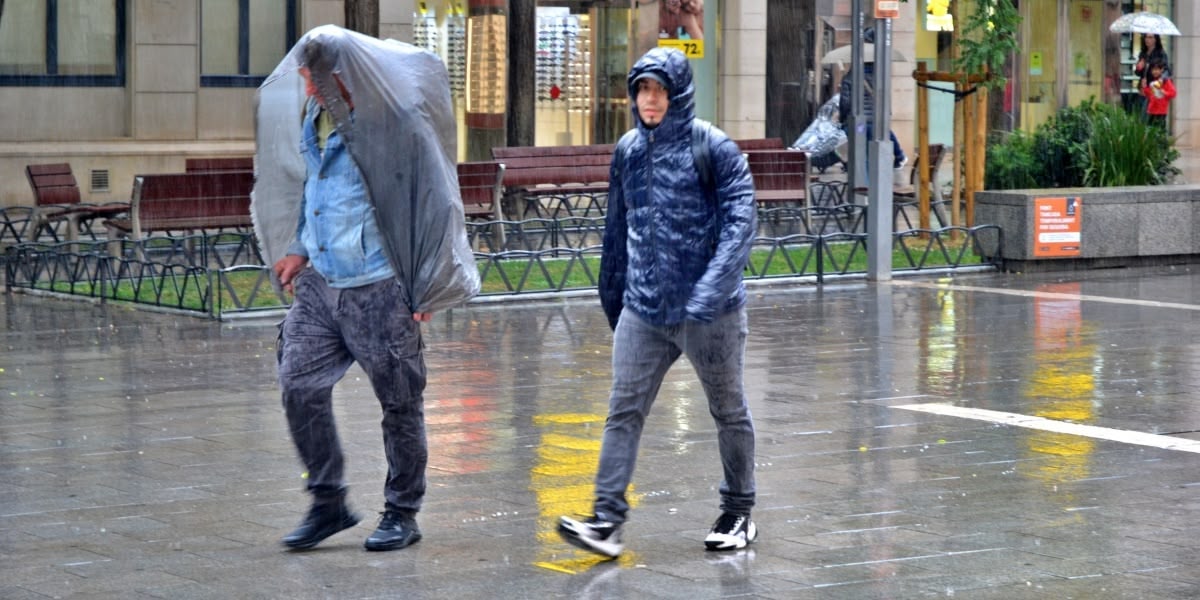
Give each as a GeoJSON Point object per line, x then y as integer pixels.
{"type": "Point", "coordinates": [998, 436]}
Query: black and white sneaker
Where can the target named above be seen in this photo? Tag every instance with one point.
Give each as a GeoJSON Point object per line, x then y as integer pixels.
{"type": "Point", "coordinates": [592, 534]}
{"type": "Point", "coordinates": [730, 532]}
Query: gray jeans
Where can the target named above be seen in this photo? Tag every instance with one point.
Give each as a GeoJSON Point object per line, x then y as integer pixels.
{"type": "Point", "coordinates": [325, 331]}
{"type": "Point", "coordinates": [641, 355]}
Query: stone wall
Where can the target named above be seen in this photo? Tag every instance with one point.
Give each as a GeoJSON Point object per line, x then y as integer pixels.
{"type": "Point", "coordinates": [1118, 226]}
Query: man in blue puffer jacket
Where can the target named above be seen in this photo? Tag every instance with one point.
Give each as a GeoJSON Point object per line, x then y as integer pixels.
{"type": "Point", "coordinates": [671, 284]}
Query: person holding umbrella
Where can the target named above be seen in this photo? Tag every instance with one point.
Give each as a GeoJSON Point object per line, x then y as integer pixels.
{"type": "Point", "coordinates": [1152, 51]}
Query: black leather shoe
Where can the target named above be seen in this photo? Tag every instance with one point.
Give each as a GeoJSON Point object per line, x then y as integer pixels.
{"type": "Point", "coordinates": [396, 530]}
{"type": "Point", "coordinates": [323, 520]}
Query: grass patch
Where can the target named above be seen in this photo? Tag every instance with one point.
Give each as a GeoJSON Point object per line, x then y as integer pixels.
{"type": "Point", "coordinates": [189, 290]}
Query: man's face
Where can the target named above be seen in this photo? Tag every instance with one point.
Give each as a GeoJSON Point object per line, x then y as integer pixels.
{"type": "Point", "coordinates": [652, 101]}
{"type": "Point", "coordinates": [310, 88]}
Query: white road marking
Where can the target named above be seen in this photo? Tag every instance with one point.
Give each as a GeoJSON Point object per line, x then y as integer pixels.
{"type": "Point", "coordinates": [1103, 433]}
{"type": "Point", "coordinates": [1037, 294]}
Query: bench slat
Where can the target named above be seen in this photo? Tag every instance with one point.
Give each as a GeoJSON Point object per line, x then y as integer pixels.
{"type": "Point", "coordinates": [187, 201]}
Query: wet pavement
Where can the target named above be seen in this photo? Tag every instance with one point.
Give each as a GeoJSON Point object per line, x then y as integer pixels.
{"type": "Point", "coordinates": [986, 436]}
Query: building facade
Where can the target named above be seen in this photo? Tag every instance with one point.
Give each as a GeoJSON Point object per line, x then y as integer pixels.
{"type": "Point", "coordinates": [121, 87]}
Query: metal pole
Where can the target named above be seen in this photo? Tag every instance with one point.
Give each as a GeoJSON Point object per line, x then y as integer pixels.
{"type": "Point", "coordinates": [879, 157]}
{"type": "Point", "coordinates": [856, 129]}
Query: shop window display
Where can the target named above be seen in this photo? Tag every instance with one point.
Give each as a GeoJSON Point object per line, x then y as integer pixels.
{"type": "Point", "coordinates": [563, 68]}
{"type": "Point", "coordinates": [445, 36]}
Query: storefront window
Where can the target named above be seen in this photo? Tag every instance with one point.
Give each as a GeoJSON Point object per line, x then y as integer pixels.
{"type": "Point", "coordinates": [563, 68]}
{"type": "Point", "coordinates": [1085, 67]}
{"type": "Point", "coordinates": [1038, 70]}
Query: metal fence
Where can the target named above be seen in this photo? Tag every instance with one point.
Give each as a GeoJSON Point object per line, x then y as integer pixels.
{"type": "Point", "coordinates": [222, 274]}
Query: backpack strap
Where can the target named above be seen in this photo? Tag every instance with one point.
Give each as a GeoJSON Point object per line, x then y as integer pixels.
{"type": "Point", "coordinates": [702, 155]}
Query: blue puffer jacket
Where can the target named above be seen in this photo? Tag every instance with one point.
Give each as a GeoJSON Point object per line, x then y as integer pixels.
{"type": "Point", "coordinates": [671, 251]}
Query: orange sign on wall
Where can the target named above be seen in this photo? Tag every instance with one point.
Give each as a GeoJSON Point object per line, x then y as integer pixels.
{"type": "Point", "coordinates": [887, 9]}
{"type": "Point", "coordinates": [1056, 227]}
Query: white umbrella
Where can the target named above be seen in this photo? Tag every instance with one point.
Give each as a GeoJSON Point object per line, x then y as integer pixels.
{"type": "Point", "coordinates": [1144, 22]}
{"type": "Point", "coordinates": [841, 55]}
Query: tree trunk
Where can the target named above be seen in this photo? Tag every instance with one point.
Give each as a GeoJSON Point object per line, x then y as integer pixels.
{"type": "Point", "coordinates": [522, 55]}
{"type": "Point", "coordinates": [790, 40]}
{"type": "Point", "coordinates": [363, 16]}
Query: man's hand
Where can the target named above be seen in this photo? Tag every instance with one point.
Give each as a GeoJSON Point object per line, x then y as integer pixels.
{"type": "Point", "coordinates": [286, 269]}
{"type": "Point", "coordinates": [423, 317]}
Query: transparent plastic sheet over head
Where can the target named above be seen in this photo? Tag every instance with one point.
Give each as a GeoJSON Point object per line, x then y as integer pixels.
{"type": "Point", "coordinates": [399, 127]}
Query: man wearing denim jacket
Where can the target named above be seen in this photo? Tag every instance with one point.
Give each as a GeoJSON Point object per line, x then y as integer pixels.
{"type": "Point", "coordinates": [671, 285]}
{"type": "Point", "coordinates": [348, 307]}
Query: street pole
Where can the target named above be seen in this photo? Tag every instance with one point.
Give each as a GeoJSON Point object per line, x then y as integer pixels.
{"type": "Point", "coordinates": [879, 157]}
{"type": "Point", "coordinates": [856, 131]}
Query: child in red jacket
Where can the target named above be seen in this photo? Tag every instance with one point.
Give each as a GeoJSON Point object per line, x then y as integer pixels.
{"type": "Point", "coordinates": [1158, 91]}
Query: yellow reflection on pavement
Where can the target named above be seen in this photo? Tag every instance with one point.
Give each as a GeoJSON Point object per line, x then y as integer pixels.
{"type": "Point", "coordinates": [567, 454]}
{"type": "Point", "coordinates": [1062, 385]}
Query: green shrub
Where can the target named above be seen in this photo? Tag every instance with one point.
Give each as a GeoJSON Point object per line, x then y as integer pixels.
{"type": "Point", "coordinates": [1091, 144]}
{"type": "Point", "coordinates": [1060, 146]}
{"type": "Point", "coordinates": [1010, 162]}
{"type": "Point", "coordinates": [1126, 150]}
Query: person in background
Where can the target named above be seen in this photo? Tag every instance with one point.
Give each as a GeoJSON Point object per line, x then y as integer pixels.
{"type": "Point", "coordinates": [671, 285]}
{"type": "Point", "coordinates": [1152, 50]}
{"type": "Point", "coordinates": [1159, 90]}
{"type": "Point", "coordinates": [846, 106]}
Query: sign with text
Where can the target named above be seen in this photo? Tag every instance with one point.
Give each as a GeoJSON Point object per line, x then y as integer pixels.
{"type": "Point", "coordinates": [1056, 227]}
{"type": "Point", "coordinates": [887, 9]}
{"type": "Point", "coordinates": [691, 48]}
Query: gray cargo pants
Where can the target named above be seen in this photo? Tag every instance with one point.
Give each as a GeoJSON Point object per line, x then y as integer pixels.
{"type": "Point", "coordinates": [325, 331]}
{"type": "Point", "coordinates": [641, 355]}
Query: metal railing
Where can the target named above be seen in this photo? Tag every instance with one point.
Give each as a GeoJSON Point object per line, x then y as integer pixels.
{"type": "Point", "coordinates": [222, 274]}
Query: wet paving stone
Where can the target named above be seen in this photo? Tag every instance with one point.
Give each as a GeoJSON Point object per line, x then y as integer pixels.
{"type": "Point", "coordinates": [145, 455]}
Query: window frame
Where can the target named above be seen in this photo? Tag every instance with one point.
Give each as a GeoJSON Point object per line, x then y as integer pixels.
{"type": "Point", "coordinates": [52, 79]}
{"type": "Point", "coordinates": [243, 78]}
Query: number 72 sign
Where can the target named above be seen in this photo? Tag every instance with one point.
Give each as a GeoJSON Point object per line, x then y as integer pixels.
{"type": "Point", "coordinates": [690, 48]}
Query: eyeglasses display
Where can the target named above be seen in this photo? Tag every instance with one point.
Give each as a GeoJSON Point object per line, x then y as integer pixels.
{"type": "Point", "coordinates": [487, 53]}
{"type": "Point", "coordinates": [456, 53]}
{"type": "Point", "coordinates": [447, 39]}
{"type": "Point", "coordinates": [563, 64]}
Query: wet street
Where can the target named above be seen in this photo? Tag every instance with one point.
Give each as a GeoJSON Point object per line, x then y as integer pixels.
{"type": "Point", "coordinates": [987, 436]}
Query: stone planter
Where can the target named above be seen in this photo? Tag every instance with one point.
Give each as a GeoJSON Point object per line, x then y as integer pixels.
{"type": "Point", "coordinates": [1107, 227]}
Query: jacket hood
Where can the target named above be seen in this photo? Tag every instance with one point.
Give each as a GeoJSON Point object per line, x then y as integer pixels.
{"type": "Point", "coordinates": [670, 67]}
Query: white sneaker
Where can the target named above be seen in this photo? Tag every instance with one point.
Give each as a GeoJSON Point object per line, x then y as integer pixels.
{"type": "Point", "coordinates": [731, 532]}
{"type": "Point", "coordinates": [592, 534]}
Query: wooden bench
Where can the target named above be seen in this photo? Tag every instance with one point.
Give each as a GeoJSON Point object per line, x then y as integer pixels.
{"type": "Point", "coordinates": [571, 180]}
{"type": "Point", "coordinates": [760, 144]}
{"type": "Point", "coordinates": [57, 199]}
{"type": "Point", "coordinates": [186, 203]}
{"type": "Point", "coordinates": [481, 186]}
{"type": "Point", "coordinates": [553, 181]}
{"type": "Point", "coordinates": [219, 164]}
{"type": "Point", "coordinates": [780, 176]}
{"type": "Point", "coordinates": [781, 179]}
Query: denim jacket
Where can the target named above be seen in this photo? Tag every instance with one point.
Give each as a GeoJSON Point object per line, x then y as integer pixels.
{"type": "Point", "coordinates": [337, 229]}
